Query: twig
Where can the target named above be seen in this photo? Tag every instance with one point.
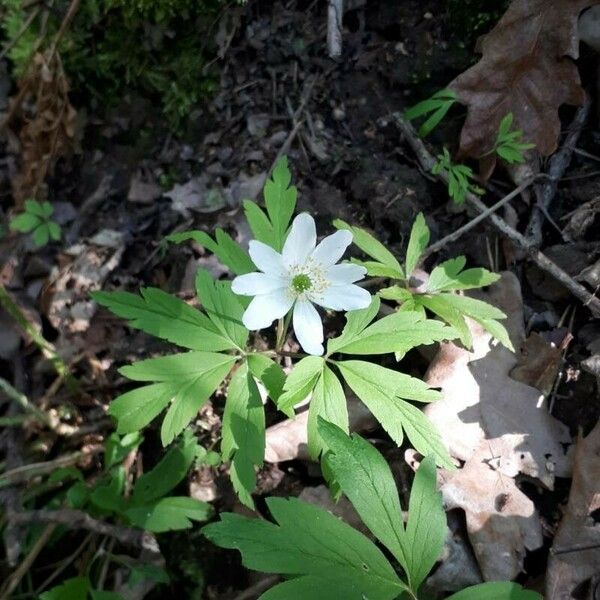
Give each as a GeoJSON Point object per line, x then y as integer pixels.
{"type": "Point", "coordinates": [558, 164]}
{"type": "Point", "coordinates": [452, 237]}
{"type": "Point", "coordinates": [335, 14]}
{"type": "Point", "coordinates": [540, 259]}
{"type": "Point", "coordinates": [24, 567]}
{"type": "Point", "coordinates": [47, 349]}
{"type": "Point", "coordinates": [77, 519]}
{"type": "Point", "coordinates": [25, 472]}
{"type": "Point", "coordinates": [24, 403]}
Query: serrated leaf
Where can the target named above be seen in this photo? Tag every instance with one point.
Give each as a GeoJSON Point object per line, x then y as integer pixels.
{"type": "Point", "coordinates": [324, 557]}
{"type": "Point", "coordinates": [71, 589]}
{"type": "Point", "coordinates": [227, 250]}
{"type": "Point", "coordinates": [497, 330]}
{"type": "Point", "coordinates": [41, 235]}
{"type": "Point", "coordinates": [366, 479]}
{"type": "Point", "coordinates": [109, 496]}
{"type": "Point", "coordinates": [463, 280]}
{"type": "Point", "coordinates": [419, 238]}
{"type": "Point", "coordinates": [397, 293]}
{"type": "Point", "coordinates": [25, 222]}
{"type": "Point", "coordinates": [371, 246]}
{"type": "Point", "coordinates": [189, 379]}
{"type": "Point", "coordinates": [377, 269]}
{"type": "Point", "coordinates": [382, 390]}
{"type": "Point", "coordinates": [300, 383]}
{"type": "Point", "coordinates": [165, 317]}
{"type": "Point", "coordinates": [268, 372]}
{"type": "Point", "coordinates": [426, 525]}
{"type": "Point", "coordinates": [168, 514]}
{"type": "Point", "coordinates": [438, 305]}
{"type": "Point", "coordinates": [259, 222]}
{"type": "Point", "coordinates": [496, 590]}
{"type": "Point", "coordinates": [328, 403]}
{"type": "Point", "coordinates": [399, 333]}
{"type": "Point", "coordinates": [477, 309]}
{"type": "Point", "coordinates": [280, 200]}
{"type": "Point", "coordinates": [167, 473]}
{"type": "Point", "coordinates": [243, 433]}
{"type": "Point", "coordinates": [223, 307]}
{"type": "Point", "coordinates": [117, 448]}
{"type": "Point", "coordinates": [356, 322]}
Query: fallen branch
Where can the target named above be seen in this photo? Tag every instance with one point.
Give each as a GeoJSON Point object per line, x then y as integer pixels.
{"type": "Point", "coordinates": [77, 519]}
{"type": "Point", "coordinates": [541, 260]}
{"type": "Point", "coordinates": [558, 164]}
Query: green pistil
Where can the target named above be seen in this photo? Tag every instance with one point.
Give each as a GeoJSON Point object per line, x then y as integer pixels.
{"type": "Point", "coordinates": [301, 283]}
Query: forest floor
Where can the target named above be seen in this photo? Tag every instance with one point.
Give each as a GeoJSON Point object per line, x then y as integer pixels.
{"type": "Point", "coordinates": [134, 182]}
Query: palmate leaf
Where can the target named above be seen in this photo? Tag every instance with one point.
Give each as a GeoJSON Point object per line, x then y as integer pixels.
{"type": "Point", "coordinates": [268, 372]}
{"type": "Point", "coordinates": [495, 590]}
{"type": "Point", "coordinates": [300, 383]}
{"type": "Point", "coordinates": [243, 441]}
{"type": "Point", "coordinates": [384, 264]}
{"type": "Point", "coordinates": [384, 392]}
{"type": "Point", "coordinates": [280, 201]}
{"type": "Point", "coordinates": [356, 322]}
{"type": "Point", "coordinates": [449, 275]}
{"type": "Point", "coordinates": [324, 557]}
{"type": "Point", "coordinates": [419, 238]}
{"type": "Point", "coordinates": [166, 317]}
{"type": "Point", "coordinates": [227, 250]}
{"type": "Point", "coordinates": [187, 379]}
{"type": "Point", "coordinates": [399, 333]}
{"type": "Point", "coordinates": [167, 514]}
{"type": "Point", "coordinates": [25, 222]}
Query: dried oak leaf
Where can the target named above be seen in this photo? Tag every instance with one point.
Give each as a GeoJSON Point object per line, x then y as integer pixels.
{"type": "Point", "coordinates": [575, 556]}
{"type": "Point", "coordinates": [526, 69]}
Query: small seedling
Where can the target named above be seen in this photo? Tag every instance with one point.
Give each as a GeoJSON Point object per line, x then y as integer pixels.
{"type": "Point", "coordinates": [436, 107]}
{"type": "Point", "coordinates": [460, 177]}
{"type": "Point", "coordinates": [509, 145]}
{"type": "Point", "coordinates": [36, 220]}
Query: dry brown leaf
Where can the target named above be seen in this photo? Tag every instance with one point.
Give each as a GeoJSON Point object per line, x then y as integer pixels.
{"type": "Point", "coordinates": [526, 69]}
{"type": "Point", "coordinates": [482, 402]}
{"type": "Point", "coordinates": [575, 556]}
{"type": "Point", "coordinates": [501, 521]}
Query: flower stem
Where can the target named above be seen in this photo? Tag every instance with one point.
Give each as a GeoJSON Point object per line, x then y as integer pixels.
{"type": "Point", "coordinates": [282, 328]}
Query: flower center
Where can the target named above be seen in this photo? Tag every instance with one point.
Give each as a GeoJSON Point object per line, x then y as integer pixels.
{"type": "Point", "coordinates": [301, 283]}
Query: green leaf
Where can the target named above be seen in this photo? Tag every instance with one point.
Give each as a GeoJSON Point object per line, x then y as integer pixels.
{"type": "Point", "coordinates": [449, 276]}
{"type": "Point", "coordinates": [223, 307]}
{"type": "Point", "coordinates": [497, 330]}
{"type": "Point", "coordinates": [117, 447]}
{"type": "Point", "coordinates": [189, 379]}
{"type": "Point", "coordinates": [473, 307]}
{"type": "Point", "coordinates": [169, 471]}
{"type": "Point", "coordinates": [280, 200]}
{"type": "Point", "coordinates": [397, 293]}
{"type": "Point", "coordinates": [109, 496]}
{"type": "Point", "coordinates": [356, 322]}
{"type": "Point", "coordinates": [366, 479]}
{"type": "Point", "coordinates": [439, 306]}
{"type": "Point", "coordinates": [268, 372]}
{"type": "Point", "coordinates": [399, 333]}
{"type": "Point", "coordinates": [300, 383]}
{"type": "Point", "coordinates": [259, 222]}
{"type": "Point", "coordinates": [377, 269]}
{"type": "Point", "coordinates": [426, 525]}
{"type": "Point", "coordinates": [419, 238]}
{"type": "Point", "coordinates": [383, 390]}
{"type": "Point", "coordinates": [39, 209]}
{"type": "Point", "coordinates": [228, 251]}
{"type": "Point", "coordinates": [165, 317]}
{"type": "Point", "coordinates": [71, 589]}
{"type": "Point", "coordinates": [103, 595]}
{"type": "Point", "coordinates": [328, 403]}
{"type": "Point", "coordinates": [169, 514]}
{"type": "Point", "coordinates": [25, 222]}
{"type": "Point", "coordinates": [41, 235]}
{"type": "Point", "coordinates": [54, 230]}
{"type": "Point", "coordinates": [243, 433]}
{"type": "Point", "coordinates": [373, 247]}
{"type": "Point", "coordinates": [496, 590]}
{"type": "Point", "coordinates": [324, 557]}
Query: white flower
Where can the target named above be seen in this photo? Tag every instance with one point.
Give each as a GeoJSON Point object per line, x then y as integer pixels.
{"type": "Point", "coordinates": [301, 275]}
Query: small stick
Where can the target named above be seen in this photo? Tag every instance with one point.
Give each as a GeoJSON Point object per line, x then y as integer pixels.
{"type": "Point", "coordinates": [452, 237]}
{"type": "Point", "coordinates": [335, 14]}
{"type": "Point", "coordinates": [24, 567]}
{"type": "Point", "coordinates": [539, 258]}
{"type": "Point", "coordinates": [558, 164]}
{"type": "Point", "coordinates": [77, 519]}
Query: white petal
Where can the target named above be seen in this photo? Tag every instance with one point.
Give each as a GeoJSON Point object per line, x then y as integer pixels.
{"type": "Point", "coordinates": [343, 297]}
{"type": "Point", "coordinates": [332, 248]}
{"type": "Point", "coordinates": [308, 327]}
{"type": "Point", "coordinates": [266, 258]}
{"type": "Point", "coordinates": [301, 240]}
{"type": "Point", "coordinates": [253, 284]}
{"type": "Point", "coordinates": [264, 309]}
{"type": "Point", "coordinates": [345, 273]}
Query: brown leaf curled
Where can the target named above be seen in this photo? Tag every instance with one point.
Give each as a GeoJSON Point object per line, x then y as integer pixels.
{"type": "Point", "coordinates": [526, 69]}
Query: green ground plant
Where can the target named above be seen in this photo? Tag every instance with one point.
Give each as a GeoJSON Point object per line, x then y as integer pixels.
{"type": "Point", "coordinates": [35, 219]}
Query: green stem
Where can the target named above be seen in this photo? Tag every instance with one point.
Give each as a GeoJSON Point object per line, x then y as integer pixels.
{"type": "Point", "coordinates": [282, 328]}
{"type": "Point", "coordinates": [47, 349]}
{"type": "Point", "coordinates": [24, 403]}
